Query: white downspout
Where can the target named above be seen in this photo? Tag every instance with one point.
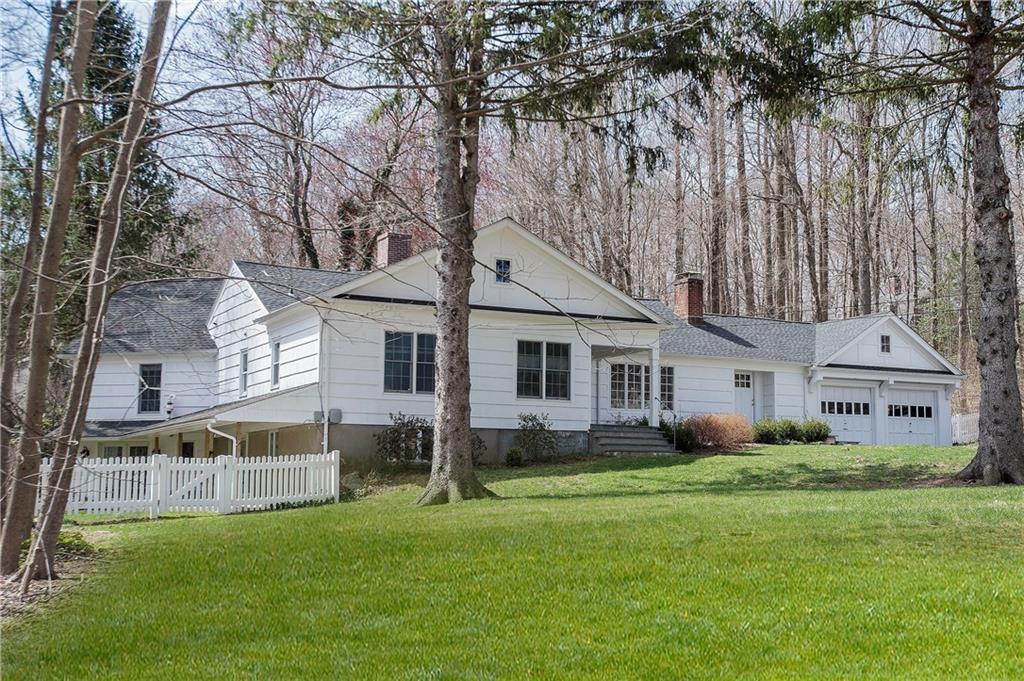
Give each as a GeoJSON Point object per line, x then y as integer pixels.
{"type": "Point", "coordinates": [324, 387]}
{"type": "Point", "coordinates": [234, 442]}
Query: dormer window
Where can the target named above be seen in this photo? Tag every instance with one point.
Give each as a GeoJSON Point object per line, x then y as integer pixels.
{"type": "Point", "coordinates": [886, 344]}
{"type": "Point", "coordinates": [503, 271]}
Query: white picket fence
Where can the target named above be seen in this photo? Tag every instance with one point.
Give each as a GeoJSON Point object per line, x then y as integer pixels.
{"type": "Point", "coordinates": [161, 484]}
{"type": "Point", "coordinates": [965, 428]}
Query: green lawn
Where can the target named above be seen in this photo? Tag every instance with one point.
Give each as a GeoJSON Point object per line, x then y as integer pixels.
{"type": "Point", "coordinates": [785, 562]}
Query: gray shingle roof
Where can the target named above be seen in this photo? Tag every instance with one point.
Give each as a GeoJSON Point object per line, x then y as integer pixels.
{"type": "Point", "coordinates": [739, 337]}
{"type": "Point", "coordinates": [756, 338]}
{"type": "Point", "coordinates": [159, 316]}
{"type": "Point", "coordinates": [280, 285]}
{"type": "Point", "coordinates": [832, 335]}
{"type": "Point", "coordinates": [109, 429]}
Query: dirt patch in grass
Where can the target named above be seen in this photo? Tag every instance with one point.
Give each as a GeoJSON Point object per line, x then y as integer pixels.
{"type": "Point", "coordinates": [76, 559]}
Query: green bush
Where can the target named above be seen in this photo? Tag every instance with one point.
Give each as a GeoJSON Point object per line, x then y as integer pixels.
{"type": "Point", "coordinates": [408, 438]}
{"type": "Point", "coordinates": [685, 439]}
{"type": "Point", "coordinates": [766, 431]}
{"type": "Point", "coordinates": [789, 430]}
{"type": "Point", "coordinates": [815, 430]}
{"type": "Point", "coordinates": [535, 439]}
{"type": "Point", "coordinates": [781, 431]}
{"type": "Point", "coordinates": [514, 457]}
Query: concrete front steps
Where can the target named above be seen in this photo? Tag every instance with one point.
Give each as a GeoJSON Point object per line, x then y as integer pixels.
{"type": "Point", "coordinates": [617, 439]}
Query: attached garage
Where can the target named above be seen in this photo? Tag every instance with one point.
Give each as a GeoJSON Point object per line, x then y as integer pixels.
{"type": "Point", "coordinates": [912, 417]}
{"type": "Point", "coordinates": [850, 412]}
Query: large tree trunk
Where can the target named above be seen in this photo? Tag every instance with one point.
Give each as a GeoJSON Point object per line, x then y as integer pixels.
{"type": "Point", "coordinates": [23, 489]}
{"type": "Point", "coordinates": [456, 127]}
{"type": "Point", "coordinates": [13, 320]}
{"type": "Point", "coordinates": [40, 563]}
{"type": "Point", "coordinates": [749, 304]}
{"type": "Point", "coordinates": [864, 255]}
{"type": "Point", "coordinates": [824, 208]}
{"type": "Point", "coordinates": [717, 256]}
{"type": "Point", "coordinates": [1000, 456]}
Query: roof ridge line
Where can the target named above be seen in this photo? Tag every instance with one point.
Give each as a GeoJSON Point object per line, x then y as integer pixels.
{"type": "Point", "coordinates": [300, 267]}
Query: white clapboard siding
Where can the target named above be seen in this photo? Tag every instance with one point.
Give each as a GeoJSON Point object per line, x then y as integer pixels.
{"type": "Point", "coordinates": [162, 484]}
{"type": "Point", "coordinates": [965, 428]}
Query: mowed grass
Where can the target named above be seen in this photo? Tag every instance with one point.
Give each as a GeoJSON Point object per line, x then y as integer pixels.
{"type": "Point", "coordinates": [783, 562]}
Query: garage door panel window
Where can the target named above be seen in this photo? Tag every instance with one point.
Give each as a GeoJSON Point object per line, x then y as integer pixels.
{"type": "Point", "coordinates": [846, 408]}
{"type": "Point", "coordinates": [912, 411]}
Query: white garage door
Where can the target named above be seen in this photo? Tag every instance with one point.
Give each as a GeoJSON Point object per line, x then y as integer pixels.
{"type": "Point", "coordinates": [849, 412]}
{"type": "Point", "coordinates": [912, 417]}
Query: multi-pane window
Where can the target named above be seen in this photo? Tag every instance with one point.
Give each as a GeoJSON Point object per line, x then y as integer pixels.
{"type": "Point", "coordinates": [149, 388]}
{"type": "Point", "coordinates": [543, 370]}
{"type": "Point", "coordinates": [846, 408]}
{"type": "Point", "coordinates": [275, 365]}
{"type": "Point", "coordinates": [138, 450]}
{"type": "Point", "coordinates": [405, 368]}
{"type": "Point", "coordinates": [628, 386]}
{"type": "Point", "coordinates": [112, 452]}
{"type": "Point", "coordinates": [911, 411]}
{"type": "Point", "coordinates": [556, 371]}
{"type": "Point", "coordinates": [529, 368]}
{"type": "Point", "coordinates": [425, 372]}
{"type": "Point", "coordinates": [502, 271]}
{"type": "Point", "coordinates": [668, 388]}
{"type": "Point", "coordinates": [742, 379]}
{"type": "Point", "coordinates": [886, 343]}
{"type": "Point", "coordinates": [243, 372]}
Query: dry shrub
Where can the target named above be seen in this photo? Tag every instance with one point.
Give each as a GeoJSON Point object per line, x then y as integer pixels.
{"type": "Point", "coordinates": [720, 431]}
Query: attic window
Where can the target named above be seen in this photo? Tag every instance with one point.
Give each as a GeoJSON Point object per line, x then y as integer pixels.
{"type": "Point", "coordinates": [503, 271]}
{"type": "Point", "coordinates": [886, 344]}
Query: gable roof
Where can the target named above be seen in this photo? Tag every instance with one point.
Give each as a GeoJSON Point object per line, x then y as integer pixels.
{"type": "Point", "coordinates": [738, 337]}
{"type": "Point", "coordinates": [645, 314]}
{"type": "Point", "coordinates": [834, 335]}
{"type": "Point", "coordinates": [159, 316]}
{"type": "Point", "coordinates": [279, 285]}
{"type": "Point", "coordinates": [775, 339]}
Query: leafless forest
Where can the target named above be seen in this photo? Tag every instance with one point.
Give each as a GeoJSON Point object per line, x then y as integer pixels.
{"type": "Point", "coordinates": [813, 161]}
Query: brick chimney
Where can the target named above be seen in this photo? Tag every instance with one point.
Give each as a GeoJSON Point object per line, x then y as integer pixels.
{"type": "Point", "coordinates": [392, 247]}
{"type": "Point", "coordinates": [688, 297]}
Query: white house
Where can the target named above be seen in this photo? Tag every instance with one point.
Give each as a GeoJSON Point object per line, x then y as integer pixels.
{"type": "Point", "coordinates": [275, 360]}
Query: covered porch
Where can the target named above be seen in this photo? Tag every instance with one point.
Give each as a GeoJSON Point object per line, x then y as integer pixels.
{"type": "Point", "coordinates": [622, 391]}
{"type": "Point", "coordinates": [281, 422]}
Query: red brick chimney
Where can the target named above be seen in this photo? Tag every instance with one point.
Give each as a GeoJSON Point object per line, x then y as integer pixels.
{"type": "Point", "coordinates": [688, 297]}
{"type": "Point", "coordinates": [392, 247]}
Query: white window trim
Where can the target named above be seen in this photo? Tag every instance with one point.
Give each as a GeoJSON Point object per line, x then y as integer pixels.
{"type": "Point", "coordinates": [415, 361]}
{"type": "Point", "coordinates": [495, 278]}
{"type": "Point", "coordinates": [243, 372]}
{"type": "Point", "coordinates": [645, 390]}
{"type": "Point", "coordinates": [272, 443]}
{"type": "Point", "coordinates": [543, 371]}
{"type": "Point", "coordinates": [138, 399]}
{"type": "Point", "coordinates": [748, 377]}
{"type": "Point", "coordinates": [885, 344]}
{"type": "Point", "coordinates": [275, 363]}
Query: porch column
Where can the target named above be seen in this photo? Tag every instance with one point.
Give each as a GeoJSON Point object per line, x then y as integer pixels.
{"type": "Point", "coordinates": [654, 399]}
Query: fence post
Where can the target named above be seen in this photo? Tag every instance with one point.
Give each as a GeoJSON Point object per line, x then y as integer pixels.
{"type": "Point", "coordinates": [157, 475]}
{"type": "Point", "coordinates": [225, 480]}
{"type": "Point", "coordinates": [335, 458]}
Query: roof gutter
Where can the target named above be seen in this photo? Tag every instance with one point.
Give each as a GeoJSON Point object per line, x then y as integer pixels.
{"type": "Point", "coordinates": [234, 440]}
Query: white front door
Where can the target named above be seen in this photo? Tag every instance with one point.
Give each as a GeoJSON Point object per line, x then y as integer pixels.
{"type": "Point", "coordinates": [743, 382]}
{"type": "Point", "coordinates": [912, 417]}
{"type": "Point", "coordinates": [849, 412]}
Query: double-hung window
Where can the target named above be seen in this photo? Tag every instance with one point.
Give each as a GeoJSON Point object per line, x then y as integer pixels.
{"type": "Point", "coordinates": [243, 372]}
{"type": "Point", "coordinates": [543, 370]}
{"type": "Point", "coordinates": [886, 344]}
{"type": "Point", "coordinates": [275, 364]}
{"type": "Point", "coordinates": [150, 376]}
{"type": "Point", "coordinates": [668, 388]}
{"type": "Point", "coordinates": [409, 362]}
